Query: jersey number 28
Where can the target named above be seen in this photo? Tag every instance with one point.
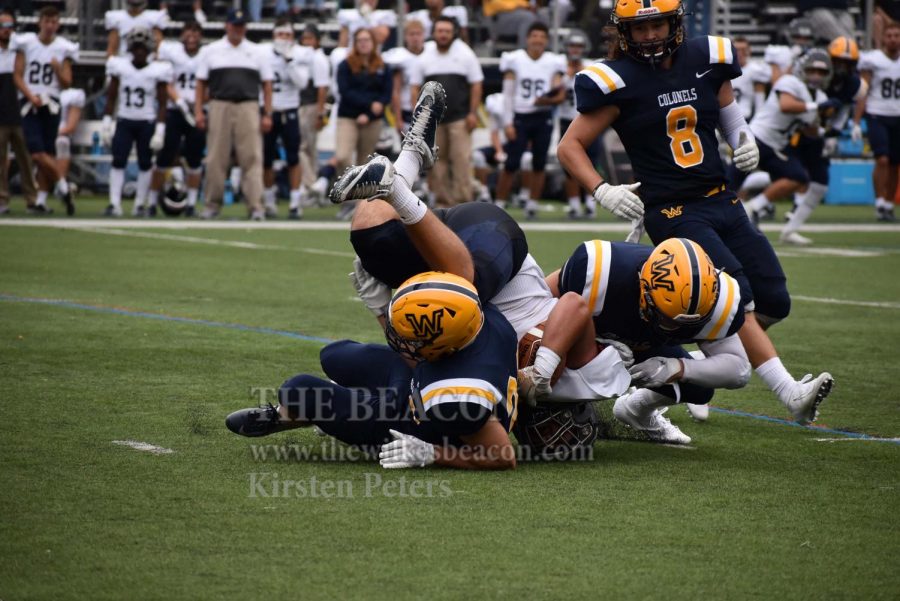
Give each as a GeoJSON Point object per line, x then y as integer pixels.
{"type": "Point", "coordinates": [681, 127]}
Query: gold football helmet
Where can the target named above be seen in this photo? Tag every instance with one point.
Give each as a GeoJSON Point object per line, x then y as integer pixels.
{"type": "Point", "coordinates": [432, 315]}
{"type": "Point", "coordinates": [679, 285]}
{"type": "Point", "coordinates": [845, 48]}
{"type": "Point", "coordinates": [627, 12]}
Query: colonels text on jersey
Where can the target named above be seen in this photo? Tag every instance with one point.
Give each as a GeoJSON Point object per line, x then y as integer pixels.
{"type": "Point", "coordinates": [667, 116]}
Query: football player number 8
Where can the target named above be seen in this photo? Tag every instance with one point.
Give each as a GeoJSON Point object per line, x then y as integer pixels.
{"type": "Point", "coordinates": [681, 125]}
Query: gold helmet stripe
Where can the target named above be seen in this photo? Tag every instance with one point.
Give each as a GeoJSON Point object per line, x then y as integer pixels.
{"type": "Point", "coordinates": [449, 287]}
{"type": "Point", "coordinates": [694, 275]}
{"type": "Point", "coordinates": [728, 310]}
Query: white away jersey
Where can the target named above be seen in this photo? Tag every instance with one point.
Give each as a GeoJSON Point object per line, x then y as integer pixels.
{"type": "Point", "coordinates": [494, 104]}
{"type": "Point", "coordinates": [422, 16]}
{"type": "Point", "coordinates": [566, 109]}
{"type": "Point", "coordinates": [352, 19]}
{"type": "Point", "coordinates": [753, 73]}
{"type": "Point", "coordinates": [39, 74]}
{"type": "Point", "coordinates": [123, 22]}
{"type": "Point", "coordinates": [71, 97]}
{"type": "Point", "coordinates": [137, 87]}
{"type": "Point", "coordinates": [884, 89]}
{"type": "Point", "coordinates": [534, 78]}
{"type": "Point", "coordinates": [774, 127]}
{"type": "Point", "coordinates": [183, 68]}
{"type": "Point", "coordinates": [401, 59]}
{"type": "Point", "coordinates": [286, 86]}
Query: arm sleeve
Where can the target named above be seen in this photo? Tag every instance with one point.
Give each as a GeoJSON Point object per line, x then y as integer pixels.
{"type": "Point", "coordinates": [732, 123]}
{"type": "Point", "coordinates": [725, 365]}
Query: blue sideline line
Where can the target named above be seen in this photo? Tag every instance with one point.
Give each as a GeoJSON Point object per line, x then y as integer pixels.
{"type": "Point", "coordinates": [305, 337]}
{"type": "Point", "coordinates": [188, 320]}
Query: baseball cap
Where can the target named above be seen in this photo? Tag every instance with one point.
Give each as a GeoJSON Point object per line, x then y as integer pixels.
{"type": "Point", "coordinates": [236, 16]}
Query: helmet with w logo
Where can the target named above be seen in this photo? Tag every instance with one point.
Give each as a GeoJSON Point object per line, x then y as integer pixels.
{"type": "Point", "coordinates": [679, 286]}
{"type": "Point", "coordinates": [432, 315]}
{"type": "Point", "coordinates": [629, 12]}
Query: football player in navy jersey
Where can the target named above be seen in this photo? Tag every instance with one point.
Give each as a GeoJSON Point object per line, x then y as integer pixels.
{"type": "Point", "coordinates": [652, 300]}
{"type": "Point", "coordinates": [665, 96]}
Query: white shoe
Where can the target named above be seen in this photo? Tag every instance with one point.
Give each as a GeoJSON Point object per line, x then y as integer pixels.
{"type": "Point", "coordinates": [792, 237]}
{"type": "Point", "coordinates": [258, 215]}
{"type": "Point", "coordinates": [809, 394]}
{"type": "Point", "coordinates": [655, 425]}
{"type": "Point", "coordinates": [699, 413]}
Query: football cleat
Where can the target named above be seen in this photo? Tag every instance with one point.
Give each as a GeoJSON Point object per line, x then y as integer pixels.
{"type": "Point", "coordinates": [138, 212]}
{"type": "Point", "coordinates": [112, 211]}
{"type": "Point", "coordinates": [209, 213]}
{"type": "Point", "coordinates": [809, 394]}
{"type": "Point", "coordinates": [532, 386]}
{"type": "Point", "coordinates": [258, 215]}
{"type": "Point", "coordinates": [428, 112]}
{"type": "Point", "coordinates": [70, 204]}
{"type": "Point", "coordinates": [39, 210]}
{"type": "Point", "coordinates": [767, 213]}
{"type": "Point", "coordinates": [699, 413]}
{"type": "Point", "coordinates": [655, 425]}
{"type": "Point", "coordinates": [256, 421]}
{"type": "Point", "coordinates": [364, 182]}
{"type": "Point", "coordinates": [886, 214]}
{"type": "Point", "coordinates": [295, 214]}
{"type": "Point", "coordinates": [792, 237]}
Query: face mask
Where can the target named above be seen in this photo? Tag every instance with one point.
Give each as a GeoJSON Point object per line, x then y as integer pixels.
{"type": "Point", "coordinates": [283, 46]}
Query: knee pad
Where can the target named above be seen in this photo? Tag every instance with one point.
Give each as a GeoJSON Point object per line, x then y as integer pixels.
{"type": "Point", "coordinates": [63, 147]}
{"type": "Point", "coordinates": [527, 161]}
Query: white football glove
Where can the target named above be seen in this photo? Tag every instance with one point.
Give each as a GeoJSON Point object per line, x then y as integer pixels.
{"type": "Point", "coordinates": [621, 201]}
{"type": "Point", "coordinates": [856, 133]}
{"type": "Point", "coordinates": [623, 349]}
{"type": "Point", "coordinates": [831, 147]}
{"type": "Point", "coordinates": [159, 137]}
{"type": "Point", "coordinates": [107, 129]}
{"type": "Point", "coordinates": [186, 111]}
{"type": "Point", "coordinates": [405, 451]}
{"type": "Point", "coordinates": [375, 294]}
{"type": "Point", "coordinates": [746, 155]}
{"type": "Point", "coordinates": [655, 372]}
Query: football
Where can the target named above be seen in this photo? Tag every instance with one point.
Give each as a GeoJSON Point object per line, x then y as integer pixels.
{"type": "Point", "coordinates": [528, 348]}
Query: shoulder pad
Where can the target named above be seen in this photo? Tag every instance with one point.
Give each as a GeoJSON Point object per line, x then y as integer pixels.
{"type": "Point", "coordinates": [720, 50]}
{"type": "Point", "coordinates": [725, 310]}
{"type": "Point", "coordinates": [603, 76]}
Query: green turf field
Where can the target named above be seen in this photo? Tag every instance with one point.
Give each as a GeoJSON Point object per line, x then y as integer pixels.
{"type": "Point", "coordinates": [155, 335]}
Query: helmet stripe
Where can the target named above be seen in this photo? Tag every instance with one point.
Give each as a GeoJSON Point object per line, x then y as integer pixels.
{"type": "Point", "coordinates": [695, 276]}
{"type": "Point", "coordinates": [450, 287]}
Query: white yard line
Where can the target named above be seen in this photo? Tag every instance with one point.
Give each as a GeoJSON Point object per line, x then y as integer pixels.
{"type": "Point", "coordinates": [858, 440]}
{"type": "Point", "coordinates": [853, 303]}
{"type": "Point", "coordinates": [144, 446]}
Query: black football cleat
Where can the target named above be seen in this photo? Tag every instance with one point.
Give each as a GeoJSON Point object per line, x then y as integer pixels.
{"type": "Point", "coordinates": [70, 204]}
{"type": "Point", "coordinates": [256, 421]}
{"type": "Point", "coordinates": [427, 113]}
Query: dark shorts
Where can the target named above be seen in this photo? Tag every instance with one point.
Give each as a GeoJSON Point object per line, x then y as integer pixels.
{"type": "Point", "coordinates": [286, 128]}
{"type": "Point", "coordinates": [785, 166]}
{"type": "Point", "coordinates": [884, 137]}
{"type": "Point", "coordinates": [496, 242]}
{"type": "Point", "coordinates": [533, 128]}
{"type": "Point", "coordinates": [132, 133]}
{"type": "Point", "coordinates": [181, 139]}
{"type": "Point", "coordinates": [490, 154]}
{"type": "Point", "coordinates": [809, 151]}
{"type": "Point", "coordinates": [720, 225]}
{"type": "Point", "coordinates": [40, 128]}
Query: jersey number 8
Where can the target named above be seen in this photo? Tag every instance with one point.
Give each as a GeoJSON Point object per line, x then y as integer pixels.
{"type": "Point", "coordinates": [681, 125]}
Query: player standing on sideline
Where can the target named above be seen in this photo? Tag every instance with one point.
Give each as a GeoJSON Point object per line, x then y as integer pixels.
{"type": "Point", "coordinates": [880, 69]}
{"type": "Point", "coordinates": [532, 86]}
{"type": "Point", "coordinates": [312, 107]}
{"type": "Point", "coordinates": [401, 59]}
{"type": "Point", "coordinates": [182, 136]}
{"type": "Point", "coordinates": [290, 66]}
{"type": "Point", "coordinates": [791, 109]}
{"type": "Point", "coordinates": [665, 96]}
{"type": "Point", "coordinates": [137, 95]}
{"type": "Point", "coordinates": [71, 104]}
{"type": "Point", "coordinates": [120, 22]}
{"type": "Point", "coordinates": [43, 70]}
{"type": "Point", "coordinates": [844, 91]}
{"type": "Point", "coordinates": [577, 44]}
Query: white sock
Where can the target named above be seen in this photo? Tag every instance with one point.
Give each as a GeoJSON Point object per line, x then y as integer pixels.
{"type": "Point", "coordinates": [806, 203]}
{"type": "Point", "coordinates": [407, 166]}
{"type": "Point", "coordinates": [143, 187]}
{"type": "Point", "coordinates": [235, 177]}
{"type": "Point", "coordinates": [116, 181]}
{"type": "Point", "coordinates": [153, 198]}
{"type": "Point", "coordinates": [42, 198]}
{"type": "Point", "coordinates": [546, 362]}
{"type": "Point", "coordinates": [192, 194]}
{"type": "Point", "coordinates": [647, 401]}
{"type": "Point", "coordinates": [759, 202]}
{"type": "Point", "coordinates": [62, 186]}
{"type": "Point", "coordinates": [408, 206]}
{"type": "Point", "coordinates": [590, 205]}
{"type": "Point", "coordinates": [295, 198]}
{"type": "Point", "coordinates": [881, 203]}
{"type": "Point", "coordinates": [574, 204]}
{"type": "Point", "coordinates": [777, 378]}
{"type": "Point", "coordinates": [269, 196]}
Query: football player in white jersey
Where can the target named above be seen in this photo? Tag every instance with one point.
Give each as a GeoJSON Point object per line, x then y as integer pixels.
{"type": "Point", "coordinates": [793, 105]}
{"type": "Point", "coordinates": [881, 70]}
{"type": "Point", "coordinates": [577, 45]}
{"type": "Point", "coordinates": [182, 136]}
{"type": "Point", "coordinates": [291, 66]}
{"type": "Point", "coordinates": [71, 105]}
{"type": "Point", "coordinates": [532, 85]}
{"type": "Point", "coordinates": [120, 22]}
{"type": "Point", "coordinates": [750, 85]}
{"type": "Point", "coordinates": [137, 95]}
{"type": "Point", "coordinates": [43, 71]}
{"type": "Point", "coordinates": [401, 60]}
{"type": "Point", "coordinates": [380, 22]}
